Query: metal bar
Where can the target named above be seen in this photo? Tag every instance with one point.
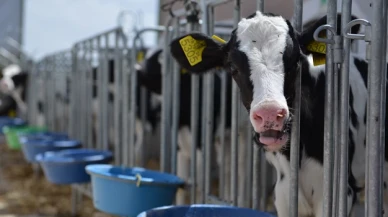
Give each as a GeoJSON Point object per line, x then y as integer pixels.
{"type": "Point", "coordinates": [263, 179]}
{"type": "Point", "coordinates": [133, 100]}
{"type": "Point", "coordinates": [89, 98]}
{"type": "Point", "coordinates": [383, 91]}
{"type": "Point", "coordinates": [100, 139]}
{"type": "Point", "coordinates": [175, 107]}
{"type": "Point", "coordinates": [195, 82]}
{"type": "Point", "coordinates": [166, 105]}
{"type": "Point", "coordinates": [125, 130]}
{"type": "Point", "coordinates": [73, 93]}
{"type": "Point", "coordinates": [374, 202]}
{"type": "Point", "coordinates": [118, 97]}
{"type": "Point", "coordinates": [257, 154]}
{"type": "Point", "coordinates": [344, 114]}
{"type": "Point", "coordinates": [295, 131]}
{"type": "Point", "coordinates": [329, 108]}
{"type": "Point", "coordinates": [222, 186]}
{"type": "Point", "coordinates": [105, 94]}
{"type": "Point", "coordinates": [234, 136]}
{"type": "Point", "coordinates": [84, 126]}
{"type": "Point", "coordinates": [208, 15]}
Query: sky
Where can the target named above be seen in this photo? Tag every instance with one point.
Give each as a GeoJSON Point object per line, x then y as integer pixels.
{"type": "Point", "coordinates": [55, 25]}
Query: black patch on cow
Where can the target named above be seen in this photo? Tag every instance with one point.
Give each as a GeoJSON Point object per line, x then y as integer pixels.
{"type": "Point", "coordinates": [251, 16]}
{"type": "Point", "coordinates": [362, 67]}
{"type": "Point", "coordinates": [7, 104]}
{"type": "Point", "coordinates": [350, 191]}
{"type": "Point", "coordinates": [40, 107]}
{"type": "Point", "coordinates": [239, 68]}
{"type": "Point", "coordinates": [353, 115]}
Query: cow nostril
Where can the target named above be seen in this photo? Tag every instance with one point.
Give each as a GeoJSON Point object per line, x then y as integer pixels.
{"type": "Point", "coordinates": [281, 115]}
{"type": "Point", "coordinates": [258, 118]}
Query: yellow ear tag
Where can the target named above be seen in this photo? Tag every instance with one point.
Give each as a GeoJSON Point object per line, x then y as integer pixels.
{"type": "Point", "coordinates": [319, 50]}
{"type": "Point", "coordinates": [193, 49]}
{"type": "Point", "coordinates": [140, 56]}
{"type": "Point", "coordinates": [218, 39]}
{"type": "Point", "coordinates": [183, 71]}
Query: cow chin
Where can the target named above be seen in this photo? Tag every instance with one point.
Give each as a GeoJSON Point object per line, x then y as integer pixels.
{"type": "Point", "coordinates": [270, 142]}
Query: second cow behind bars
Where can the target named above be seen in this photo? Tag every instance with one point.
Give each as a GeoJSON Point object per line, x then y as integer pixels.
{"type": "Point", "coordinates": [264, 56]}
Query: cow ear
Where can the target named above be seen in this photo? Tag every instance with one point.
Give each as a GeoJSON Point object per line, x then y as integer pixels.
{"type": "Point", "coordinates": [307, 36]}
{"type": "Point", "coordinates": [198, 53]}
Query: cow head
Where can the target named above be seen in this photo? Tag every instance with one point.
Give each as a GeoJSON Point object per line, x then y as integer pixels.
{"type": "Point", "coordinates": [13, 77]}
{"type": "Point", "coordinates": [263, 55]}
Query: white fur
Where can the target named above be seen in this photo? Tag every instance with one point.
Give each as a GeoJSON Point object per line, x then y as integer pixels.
{"type": "Point", "coordinates": [265, 56]}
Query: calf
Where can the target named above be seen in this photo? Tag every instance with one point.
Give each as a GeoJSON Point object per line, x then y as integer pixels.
{"type": "Point", "coordinates": [152, 113]}
{"type": "Point", "coordinates": [14, 83]}
{"type": "Point", "coordinates": [149, 75]}
{"type": "Point", "coordinates": [264, 56]}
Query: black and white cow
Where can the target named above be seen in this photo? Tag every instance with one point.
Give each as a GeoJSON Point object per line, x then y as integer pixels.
{"type": "Point", "coordinates": [152, 112]}
{"type": "Point", "coordinates": [149, 75]}
{"type": "Point", "coordinates": [14, 83]}
{"type": "Point", "coordinates": [264, 56]}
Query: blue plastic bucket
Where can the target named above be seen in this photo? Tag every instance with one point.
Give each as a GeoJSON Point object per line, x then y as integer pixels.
{"type": "Point", "coordinates": [23, 137]}
{"type": "Point", "coordinates": [68, 166]}
{"type": "Point", "coordinates": [34, 146]}
{"type": "Point", "coordinates": [203, 210]}
{"type": "Point", "coordinates": [130, 191]}
{"type": "Point", "coordinates": [8, 121]}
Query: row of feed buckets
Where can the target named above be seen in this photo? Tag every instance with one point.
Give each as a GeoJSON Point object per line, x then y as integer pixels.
{"type": "Point", "coordinates": [117, 190]}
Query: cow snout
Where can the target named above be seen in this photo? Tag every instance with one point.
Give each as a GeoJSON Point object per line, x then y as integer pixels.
{"type": "Point", "coordinates": [268, 116]}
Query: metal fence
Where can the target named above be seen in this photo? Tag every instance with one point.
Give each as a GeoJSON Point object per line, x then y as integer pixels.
{"type": "Point", "coordinates": [109, 118]}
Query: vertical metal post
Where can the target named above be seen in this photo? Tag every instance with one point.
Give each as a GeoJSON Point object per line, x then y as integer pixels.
{"type": "Point", "coordinates": [84, 92]}
{"type": "Point", "coordinates": [166, 104]}
{"type": "Point", "coordinates": [329, 107]}
{"type": "Point", "coordinates": [125, 84]}
{"type": "Point", "coordinates": [344, 114]}
{"type": "Point", "coordinates": [257, 154]}
{"type": "Point", "coordinates": [374, 202]}
{"type": "Point", "coordinates": [295, 131]}
{"type": "Point", "coordinates": [133, 100]}
{"type": "Point", "coordinates": [195, 81]}
{"type": "Point", "coordinates": [175, 106]}
{"type": "Point", "coordinates": [117, 99]}
{"type": "Point", "coordinates": [105, 93]}
{"type": "Point", "coordinates": [383, 91]}
{"type": "Point", "coordinates": [234, 136]}
{"type": "Point", "coordinates": [89, 98]}
{"type": "Point", "coordinates": [73, 92]}
{"type": "Point", "coordinates": [222, 175]}
{"type": "Point", "coordinates": [100, 142]}
{"type": "Point", "coordinates": [208, 96]}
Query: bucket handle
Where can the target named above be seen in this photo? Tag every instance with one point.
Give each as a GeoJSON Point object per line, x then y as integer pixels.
{"type": "Point", "coordinates": [138, 178]}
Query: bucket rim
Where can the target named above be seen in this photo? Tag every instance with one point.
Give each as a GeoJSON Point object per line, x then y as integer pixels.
{"type": "Point", "coordinates": [58, 158]}
{"type": "Point", "coordinates": [94, 170]}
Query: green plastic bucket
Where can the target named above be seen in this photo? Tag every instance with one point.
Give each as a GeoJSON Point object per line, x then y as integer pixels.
{"type": "Point", "coordinates": [11, 134]}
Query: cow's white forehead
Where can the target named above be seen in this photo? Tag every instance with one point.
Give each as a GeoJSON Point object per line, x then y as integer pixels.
{"type": "Point", "coordinates": [263, 39]}
{"type": "Point", "coordinates": [11, 70]}
{"type": "Point", "coordinates": [263, 29]}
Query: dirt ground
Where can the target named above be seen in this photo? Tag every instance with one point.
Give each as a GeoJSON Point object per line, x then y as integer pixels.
{"type": "Point", "coordinates": [23, 194]}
